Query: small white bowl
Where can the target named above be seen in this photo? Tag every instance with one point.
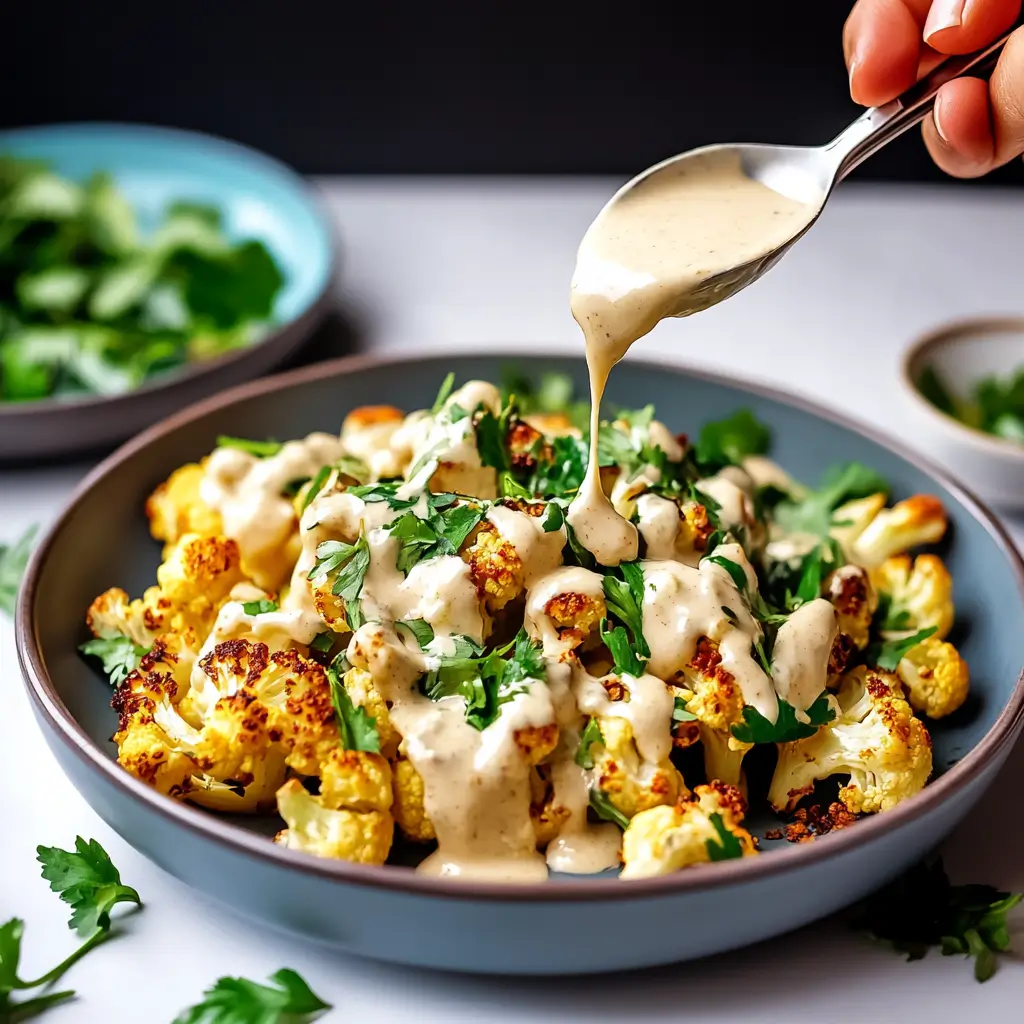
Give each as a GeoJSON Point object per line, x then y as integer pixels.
{"type": "Point", "coordinates": [962, 353]}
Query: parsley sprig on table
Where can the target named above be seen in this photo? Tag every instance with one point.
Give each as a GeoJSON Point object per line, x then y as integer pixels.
{"type": "Point", "coordinates": [13, 559]}
{"type": "Point", "coordinates": [288, 1000]}
{"type": "Point", "coordinates": [86, 879]}
{"type": "Point", "coordinates": [922, 909]}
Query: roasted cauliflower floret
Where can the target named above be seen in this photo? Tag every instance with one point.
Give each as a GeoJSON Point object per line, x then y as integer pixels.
{"type": "Point", "coordinates": [113, 614]}
{"type": "Point", "coordinates": [359, 684]}
{"type": "Point", "coordinates": [350, 819]}
{"type": "Point", "coordinates": [875, 739]}
{"type": "Point", "coordinates": [292, 691]}
{"type": "Point", "coordinates": [548, 816]}
{"type": "Point", "coordinates": [664, 839]}
{"type": "Point", "coordinates": [716, 700]}
{"type": "Point", "coordinates": [936, 679]}
{"type": "Point", "coordinates": [494, 567]}
{"type": "Point", "coordinates": [919, 593]}
{"type": "Point", "coordinates": [176, 508]}
{"type": "Point", "coordinates": [850, 591]}
{"type": "Point", "coordinates": [908, 524]}
{"type": "Point", "coordinates": [408, 808]}
{"type": "Point", "coordinates": [851, 519]}
{"type": "Point", "coordinates": [564, 611]}
{"type": "Point", "coordinates": [366, 433]}
{"type": "Point", "coordinates": [631, 783]}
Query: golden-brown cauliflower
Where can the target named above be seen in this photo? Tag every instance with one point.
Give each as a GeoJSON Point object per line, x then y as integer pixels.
{"type": "Point", "coordinates": [631, 783]}
{"type": "Point", "coordinates": [935, 677]}
{"type": "Point", "coordinates": [918, 520]}
{"type": "Point", "coordinates": [715, 698]}
{"type": "Point", "coordinates": [114, 614]}
{"type": "Point", "coordinates": [175, 507]}
{"type": "Point", "coordinates": [494, 567]}
{"type": "Point", "coordinates": [875, 739]}
{"type": "Point", "coordinates": [408, 807]}
{"type": "Point", "coordinates": [350, 819]}
{"type": "Point", "coordinates": [919, 592]}
{"type": "Point", "coordinates": [850, 591]}
{"type": "Point", "coordinates": [360, 686]}
{"type": "Point", "coordinates": [696, 830]}
{"type": "Point", "coordinates": [292, 691]}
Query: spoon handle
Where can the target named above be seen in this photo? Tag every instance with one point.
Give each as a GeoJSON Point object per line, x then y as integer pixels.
{"type": "Point", "coordinates": [878, 126]}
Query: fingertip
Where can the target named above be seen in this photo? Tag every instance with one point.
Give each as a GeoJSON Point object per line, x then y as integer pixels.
{"type": "Point", "coordinates": [959, 133]}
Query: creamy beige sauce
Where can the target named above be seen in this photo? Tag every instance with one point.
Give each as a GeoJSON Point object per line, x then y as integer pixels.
{"type": "Point", "coordinates": [802, 649]}
{"type": "Point", "coordinates": [653, 252]}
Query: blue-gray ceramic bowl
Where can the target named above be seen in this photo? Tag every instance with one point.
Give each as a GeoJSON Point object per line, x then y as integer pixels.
{"type": "Point", "coordinates": [260, 198]}
{"type": "Point", "coordinates": [562, 926]}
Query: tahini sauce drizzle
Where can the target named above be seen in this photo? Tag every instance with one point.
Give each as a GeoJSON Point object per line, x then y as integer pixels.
{"type": "Point", "coordinates": [648, 256]}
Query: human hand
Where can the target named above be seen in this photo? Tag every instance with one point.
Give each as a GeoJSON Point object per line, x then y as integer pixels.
{"type": "Point", "coordinates": [976, 125]}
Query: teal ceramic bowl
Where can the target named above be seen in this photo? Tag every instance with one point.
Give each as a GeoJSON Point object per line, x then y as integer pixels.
{"type": "Point", "coordinates": [260, 198]}
{"type": "Point", "coordinates": [565, 925]}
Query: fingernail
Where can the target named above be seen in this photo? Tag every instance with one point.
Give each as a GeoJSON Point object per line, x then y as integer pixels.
{"type": "Point", "coordinates": [853, 68]}
{"type": "Point", "coordinates": [943, 14]}
{"type": "Point", "coordinates": [937, 118]}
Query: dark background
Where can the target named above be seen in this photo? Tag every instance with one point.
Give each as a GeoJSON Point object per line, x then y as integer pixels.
{"type": "Point", "coordinates": [448, 86]}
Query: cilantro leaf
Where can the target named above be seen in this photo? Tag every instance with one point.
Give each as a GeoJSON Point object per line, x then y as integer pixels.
{"type": "Point", "coordinates": [606, 810]}
{"type": "Point", "coordinates": [324, 641]}
{"type": "Point", "coordinates": [727, 846]}
{"type": "Point", "coordinates": [561, 467]}
{"type": "Point", "coordinates": [241, 1001]}
{"type": "Point", "coordinates": [119, 655]}
{"type": "Point", "coordinates": [443, 392]}
{"type": "Point", "coordinates": [755, 728]}
{"type": "Point", "coordinates": [591, 735]}
{"type": "Point", "coordinates": [921, 909]}
{"type": "Point", "coordinates": [442, 532]}
{"type": "Point", "coordinates": [734, 569]}
{"type": "Point", "coordinates": [87, 880]}
{"type": "Point", "coordinates": [887, 654]}
{"type": "Point", "coordinates": [13, 559]}
{"type": "Point", "coordinates": [728, 441]}
{"type": "Point", "coordinates": [617, 641]}
{"type": "Point", "coordinates": [357, 728]}
{"type": "Point", "coordinates": [625, 600]}
{"type": "Point", "coordinates": [260, 607]}
{"type": "Point", "coordinates": [261, 449]}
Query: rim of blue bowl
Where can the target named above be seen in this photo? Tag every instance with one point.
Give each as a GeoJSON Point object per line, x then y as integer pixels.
{"type": "Point", "coordinates": [917, 358]}
{"type": "Point", "coordinates": [312, 314]}
{"type": "Point", "coordinates": [42, 692]}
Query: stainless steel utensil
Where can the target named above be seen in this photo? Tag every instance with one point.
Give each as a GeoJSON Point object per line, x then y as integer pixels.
{"type": "Point", "coordinates": [810, 173]}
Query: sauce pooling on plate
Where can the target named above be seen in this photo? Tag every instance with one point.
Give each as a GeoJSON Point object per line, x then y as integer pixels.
{"type": "Point", "coordinates": [649, 255]}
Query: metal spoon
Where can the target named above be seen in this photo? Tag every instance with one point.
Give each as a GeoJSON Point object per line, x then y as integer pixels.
{"type": "Point", "coordinates": [810, 173]}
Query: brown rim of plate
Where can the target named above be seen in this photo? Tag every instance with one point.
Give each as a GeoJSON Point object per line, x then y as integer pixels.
{"type": "Point", "coordinates": [732, 872]}
{"type": "Point", "coordinates": [915, 358]}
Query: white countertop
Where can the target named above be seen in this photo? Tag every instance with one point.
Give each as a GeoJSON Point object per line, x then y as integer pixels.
{"type": "Point", "coordinates": [479, 264]}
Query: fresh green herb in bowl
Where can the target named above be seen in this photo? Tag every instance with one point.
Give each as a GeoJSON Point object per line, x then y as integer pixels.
{"type": "Point", "coordinates": [995, 404]}
{"type": "Point", "coordinates": [92, 304]}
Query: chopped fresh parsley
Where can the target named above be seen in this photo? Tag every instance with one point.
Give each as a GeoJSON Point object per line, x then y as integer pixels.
{"type": "Point", "coordinates": [492, 438]}
{"type": "Point", "coordinates": [442, 532]}
{"type": "Point", "coordinates": [419, 629]}
{"type": "Point", "coordinates": [561, 467]}
{"type": "Point", "coordinates": [995, 405]}
{"type": "Point", "coordinates": [371, 493]}
{"type": "Point", "coordinates": [241, 1001]}
{"type": "Point", "coordinates": [119, 655]}
{"type": "Point", "coordinates": [603, 807]}
{"type": "Point", "coordinates": [591, 735]}
{"type": "Point", "coordinates": [486, 681]}
{"type": "Point", "coordinates": [86, 879]}
{"type": "Point", "coordinates": [443, 392]}
{"type": "Point", "coordinates": [260, 607]}
{"type": "Point", "coordinates": [316, 485]}
{"type": "Point", "coordinates": [323, 642]}
{"type": "Point", "coordinates": [921, 909]}
{"type": "Point", "coordinates": [887, 654]}
{"type": "Point", "coordinates": [625, 600]}
{"type": "Point", "coordinates": [357, 728]}
{"type": "Point", "coordinates": [13, 559]}
{"type": "Point", "coordinates": [727, 847]}
{"type": "Point", "coordinates": [348, 565]}
{"type": "Point", "coordinates": [510, 487]}
{"type": "Point", "coordinates": [679, 712]}
{"type": "Point", "coordinates": [261, 449]}
{"type": "Point", "coordinates": [554, 516]}
{"type": "Point", "coordinates": [755, 728]}
{"type": "Point", "coordinates": [736, 571]}
{"type": "Point", "coordinates": [624, 657]}
{"type": "Point", "coordinates": [889, 619]}
{"type": "Point", "coordinates": [813, 514]}
{"type": "Point", "coordinates": [729, 441]}
{"type": "Point", "coordinates": [809, 587]}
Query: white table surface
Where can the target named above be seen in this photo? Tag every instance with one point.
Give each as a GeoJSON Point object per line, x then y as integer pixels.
{"type": "Point", "coordinates": [477, 264]}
